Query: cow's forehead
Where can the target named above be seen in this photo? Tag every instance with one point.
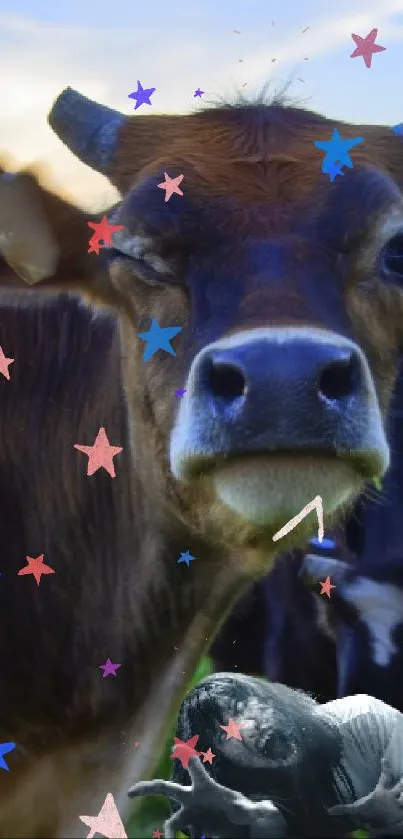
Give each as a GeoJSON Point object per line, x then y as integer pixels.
{"type": "Point", "coordinates": [259, 200]}
{"type": "Point", "coordinates": [253, 153]}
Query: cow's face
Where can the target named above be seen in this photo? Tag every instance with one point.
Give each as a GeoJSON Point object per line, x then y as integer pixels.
{"type": "Point", "coordinates": [289, 293]}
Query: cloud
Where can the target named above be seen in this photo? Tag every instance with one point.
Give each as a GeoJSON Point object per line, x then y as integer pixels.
{"type": "Point", "coordinates": [37, 60]}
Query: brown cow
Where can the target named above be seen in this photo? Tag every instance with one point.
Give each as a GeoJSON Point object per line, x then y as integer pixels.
{"type": "Point", "coordinates": [287, 291]}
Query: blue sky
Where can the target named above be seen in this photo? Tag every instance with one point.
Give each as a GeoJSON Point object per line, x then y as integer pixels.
{"type": "Point", "coordinates": [103, 48]}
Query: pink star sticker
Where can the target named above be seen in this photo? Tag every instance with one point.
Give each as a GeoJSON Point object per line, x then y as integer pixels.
{"type": "Point", "coordinates": [326, 587]}
{"type": "Point", "coordinates": [171, 185]}
{"type": "Point", "coordinates": [232, 729]}
{"type": "Point", "coordinates": [101, 454]}
{"type": "Point", "coordinates": [109, 668]}
{"type": "Point", "coordinates": [366, 47]}
{"type": "Point", "coordinates": [107, 822]}
{"type": "Point", "coordinates": [208, 756]}
{"type": "Point", "coordinates": [184, 750]}
{"type": "Point", "coordinates": [36, 567]}
{"type": "Point", "coordinates": [4, 364]}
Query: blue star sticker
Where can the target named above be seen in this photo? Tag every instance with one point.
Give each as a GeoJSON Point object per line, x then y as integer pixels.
{"type": "Point", "coordinates": [4, 749]}
{"type": "Point", "coordinates": [337, 150]}
{"type": "Point", "coordinates": [158, 338]}
{"type": "Point", "coordinates": [333, 169]}
{"type": "Point", "coordinates": [186, 557]}
{"type": "Point", "coordinates": [398, 129]}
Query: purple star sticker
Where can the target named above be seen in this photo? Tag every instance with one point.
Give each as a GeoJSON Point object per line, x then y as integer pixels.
{"type": "Point", "coordinates": [178, 392]}
{"type": "Point", "coordinates": [109, 668]}
{"type": "Point", "coordinates": [198, 92]}
{"type": "Point", "coordinates": [142, 95]}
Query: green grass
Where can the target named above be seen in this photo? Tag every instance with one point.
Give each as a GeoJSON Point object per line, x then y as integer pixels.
{"type": "Point", "coordinates": [154, 810]}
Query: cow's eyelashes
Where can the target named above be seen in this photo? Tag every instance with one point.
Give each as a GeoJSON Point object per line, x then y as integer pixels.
{"type": "Point", "coordinates": [149, 268]}
{"type": "Point", "coordinates": [391, 257]}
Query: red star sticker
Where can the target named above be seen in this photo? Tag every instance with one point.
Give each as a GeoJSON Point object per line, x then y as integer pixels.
{"type": "Point", "coordinates": [326, 586]}
{"type": "Point", "coordinates": [208, 756]}
{"type": "Point", "coordinates": [4, 364]}
{"type": "Point", "coordinates": [101, 454]}
{"type": "Point", "coordinates": [103, 230]}
{"type": "Point", "coordinates": [171, 185]}
{"type": "Point", "coordinates": [184, 750]}
{"type": "Point", "coordinates": [157, 834]}
{"type": "Point", "coordinates": [232, 729]}
{"type": "Point", "coordinates": [36, 567]}
{"type": "Point", "coordinates": [366, 47]}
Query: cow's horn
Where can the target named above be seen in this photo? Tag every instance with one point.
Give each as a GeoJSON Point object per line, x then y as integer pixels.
{"type": "Point", "coordinates": [88, 129]}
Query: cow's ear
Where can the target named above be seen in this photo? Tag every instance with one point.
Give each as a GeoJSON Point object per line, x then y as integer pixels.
{"type": "Point", "coordinates": [44, 239]}
{"type": "Point", "coordinates": [27, 242]}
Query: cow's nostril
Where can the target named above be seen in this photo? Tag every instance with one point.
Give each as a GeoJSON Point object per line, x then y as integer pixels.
{"type": "Point", "coordinates": [340, 378]}
{"type": "Point", "coordinates": [226, 381]}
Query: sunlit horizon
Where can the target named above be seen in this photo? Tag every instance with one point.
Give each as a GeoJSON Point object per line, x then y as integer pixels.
{"type": "Point", "coordinates": [220, 48]}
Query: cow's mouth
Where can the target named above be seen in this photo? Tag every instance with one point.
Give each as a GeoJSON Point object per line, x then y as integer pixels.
{"type": "Point", "coordinates": [369, 465]}
{"type": "Point", "coordinates": [269, 489]}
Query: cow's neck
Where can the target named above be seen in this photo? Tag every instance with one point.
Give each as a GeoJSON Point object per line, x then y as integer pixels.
{"type": "Point", "coordinates": [189, 639]}
{"type": "Point", "coordinates": [197, 612]}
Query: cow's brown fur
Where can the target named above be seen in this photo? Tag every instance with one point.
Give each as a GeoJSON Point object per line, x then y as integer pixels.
{"type": "Point", "coordinates": [146, 612]}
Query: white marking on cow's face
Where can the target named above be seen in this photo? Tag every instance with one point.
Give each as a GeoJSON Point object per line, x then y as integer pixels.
{"type": "Point", "coordinates": [263, 489]}
{"type": "Point", "coordinates": [380, 608]}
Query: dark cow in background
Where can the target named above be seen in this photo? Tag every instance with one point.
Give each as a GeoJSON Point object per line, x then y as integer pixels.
{"type": "Point", "coordinates": [366, 607]}
{"type": "Point", "coordinates": [289, 296]}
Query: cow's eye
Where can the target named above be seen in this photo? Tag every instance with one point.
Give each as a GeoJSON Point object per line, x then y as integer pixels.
{"type": "Point", "coordinates": [138, 254]}
{"type": "Point", "coordinates": [391, 256]}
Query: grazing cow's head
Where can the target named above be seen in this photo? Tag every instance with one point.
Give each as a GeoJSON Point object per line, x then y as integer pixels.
{"type": "Point", "coordinates": [289, 292]}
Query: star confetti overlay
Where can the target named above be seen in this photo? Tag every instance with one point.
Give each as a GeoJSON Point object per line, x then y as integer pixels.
{"type": "Point", "coordinates": [186, 557]}
{"type": "Point", "coordinates": [184, 750]}
{"type": "Point", "coordinates": [103, 231]}
{"type": "Point", "coordinates": [171, 186]}
{"type": "Point", "coordinates": [5, 748]}
{"type": "Point", "coordinates": [109, 668]}
{"type": "Point", "coordinates": [107, 822]}
{"type": "Point", "coordinates": [326, 587]}
{"type": "Point", "coordinates": [233, 729]}
{"type": "Point", "coordinates": [36, 567]}
{"type": "Point", "coordinates": [4, 364]}
{"type": "Point", "coordinates": [334, 169]}
{"type": "Point", "coordinates": [337, 151]}
{"type": "Point", "coordinates": [180, 391]}
{"type": "Point", "coordinates": [101, 454]}
{"type": "Point", "coordinates": [158, 338]}
{"type": "Point", "coordinates": [142, 95]}
{"type": "Point", "coordinates": [198, 93]}
{"type": "Point", "coordinates": [207, 756]}
{"type": "Point", "coordinates": [366, 47]}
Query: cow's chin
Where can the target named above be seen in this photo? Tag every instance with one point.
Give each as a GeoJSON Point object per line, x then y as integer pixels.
{"type": "Point", "coordinates": [266, 492]}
